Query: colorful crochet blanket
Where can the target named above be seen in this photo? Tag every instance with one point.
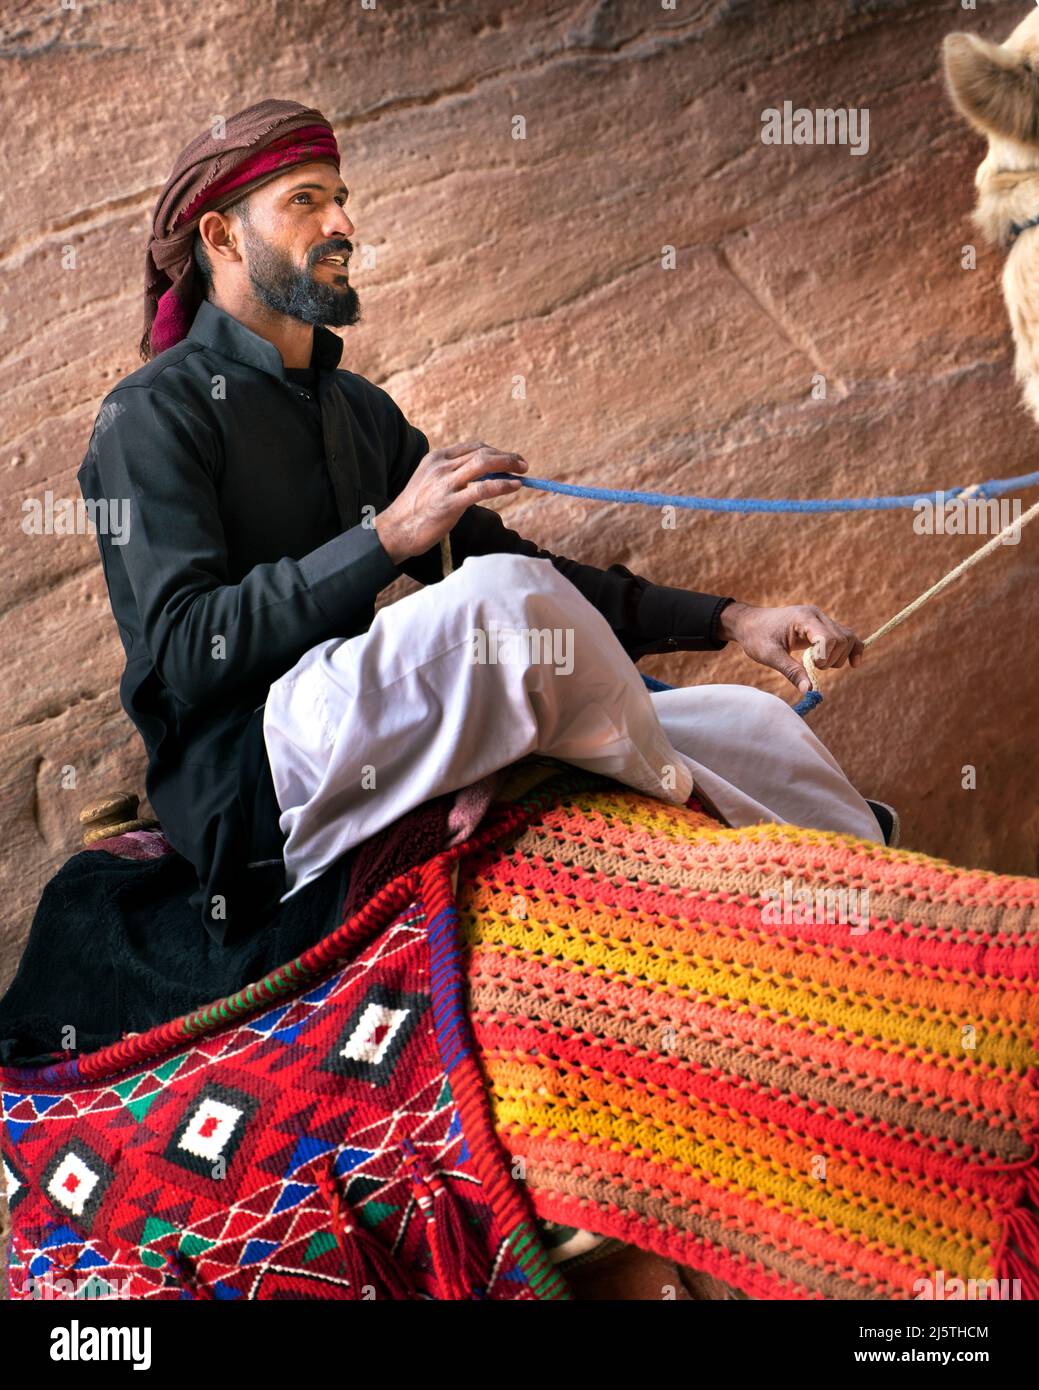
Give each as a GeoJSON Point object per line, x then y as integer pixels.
{"type": "Point", "coordinates": [800, 1063]}
{"type": "Point", "coordinates": [803, 1064]}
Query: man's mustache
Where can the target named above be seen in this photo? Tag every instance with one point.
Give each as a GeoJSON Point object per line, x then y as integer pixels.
{"type": "Point", "coordinates": [345, 250]}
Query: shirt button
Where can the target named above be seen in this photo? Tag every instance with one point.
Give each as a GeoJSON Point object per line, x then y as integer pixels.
{"type": "Point", "coordinates": [671, 642]}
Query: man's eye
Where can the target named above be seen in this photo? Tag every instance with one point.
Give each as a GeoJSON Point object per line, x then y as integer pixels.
{"type": "Point", "coordinates": [340, 200]}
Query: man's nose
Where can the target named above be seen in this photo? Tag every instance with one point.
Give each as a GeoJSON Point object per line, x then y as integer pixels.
{"type": "Point", "coordinates": [337, 224]}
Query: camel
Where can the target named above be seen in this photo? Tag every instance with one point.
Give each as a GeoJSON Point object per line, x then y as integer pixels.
{"type": "Point", "coordinates": [995, 87]}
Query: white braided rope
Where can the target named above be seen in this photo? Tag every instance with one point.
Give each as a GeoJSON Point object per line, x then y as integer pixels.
{"type": "Point", "coordinates": [943, 583]}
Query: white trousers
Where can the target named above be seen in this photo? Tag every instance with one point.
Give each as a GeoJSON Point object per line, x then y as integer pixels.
{"type": "Point", "coordinates": [503, 658]}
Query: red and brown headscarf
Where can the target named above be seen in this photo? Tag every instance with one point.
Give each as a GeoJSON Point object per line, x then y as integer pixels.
{"type": "Point", "coordinates": [253, 147]}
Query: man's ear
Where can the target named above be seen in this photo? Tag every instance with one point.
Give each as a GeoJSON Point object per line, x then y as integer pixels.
{"type": "Point", "coordinates": [218, 238]}
{"type": "Point", "coordinates": [994, 88]}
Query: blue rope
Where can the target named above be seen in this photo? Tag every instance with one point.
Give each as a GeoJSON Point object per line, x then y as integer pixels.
{"type": "Point", "coordinates": [808, 702]}
{"type": "Point", "coordinates": [803, 707]}
{"type": "Point", "coordinates": [993, 488]}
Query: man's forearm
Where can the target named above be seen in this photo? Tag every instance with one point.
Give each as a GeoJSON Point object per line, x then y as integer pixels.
{"type": "Point", "coordinates": [730, 619]}
{"type": "Point", "coordinates": [646, 617]}
{"type": "Point", "coordinates": [392, 543]}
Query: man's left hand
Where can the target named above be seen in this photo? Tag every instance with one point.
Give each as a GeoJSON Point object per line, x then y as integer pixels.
{"type": "Point", "coordinates": [772, 635]}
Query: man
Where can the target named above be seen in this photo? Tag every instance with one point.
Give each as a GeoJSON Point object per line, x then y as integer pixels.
{"type": "Point", "coordinates": [274, 495]}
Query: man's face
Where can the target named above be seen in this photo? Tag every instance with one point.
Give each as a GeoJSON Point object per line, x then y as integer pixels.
{"type": "Point", "coordinates": [292, 223]}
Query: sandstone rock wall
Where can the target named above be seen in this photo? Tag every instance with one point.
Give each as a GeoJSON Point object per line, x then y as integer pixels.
{"type": "Point", "coordinates": [541, 258]}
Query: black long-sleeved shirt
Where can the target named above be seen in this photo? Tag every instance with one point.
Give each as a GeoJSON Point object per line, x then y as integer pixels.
{"type": "Point", "coordinates": [246, 545]}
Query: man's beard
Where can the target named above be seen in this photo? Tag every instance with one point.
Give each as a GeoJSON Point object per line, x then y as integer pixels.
{"type": "Point", "coordinates": [287, 289]}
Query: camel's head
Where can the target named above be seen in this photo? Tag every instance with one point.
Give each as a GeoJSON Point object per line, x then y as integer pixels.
{"type": "Point", "coordinates": [995, 86]}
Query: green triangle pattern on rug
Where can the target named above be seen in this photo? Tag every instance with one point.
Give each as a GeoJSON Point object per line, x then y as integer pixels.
{"type": "Point", "coordinates": [374, 1212]}
{"type": "Point", "coordinates": [320, 1241]}
{"type": "Point", "coordinates": [192, 1245]}
{"type": "Point", "coordinates": [95, 1287]}
{"type": "Point", "coordinates": [139, 1108]}
{"type": "Point", "coordinates": [154, 1229]}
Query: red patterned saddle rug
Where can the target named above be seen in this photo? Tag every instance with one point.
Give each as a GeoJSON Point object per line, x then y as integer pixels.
{"type": "Point", "coordinates": [324, 1134]}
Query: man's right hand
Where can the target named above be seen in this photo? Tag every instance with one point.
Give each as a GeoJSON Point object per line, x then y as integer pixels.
{"type": "Point", "coordinates": [443, 485]}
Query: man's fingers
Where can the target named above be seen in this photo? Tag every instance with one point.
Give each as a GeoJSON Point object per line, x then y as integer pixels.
{"type": "Point", "coordinates": [781, 660]}
{"type": "Point", "coordinates": [454, 451]}
{"type": "Point", "coordinates": [469, 447]}
{"type": "Point", "coordinates": [490, 487]}
{"type": "Point", "coordinates": [487, 460]}
{"type": "Point", "coordinates": [774, 636]}
{"type": "Point", "coordinates": [831, 644]}
{"type": "Point", "coordinates": [834, 653]}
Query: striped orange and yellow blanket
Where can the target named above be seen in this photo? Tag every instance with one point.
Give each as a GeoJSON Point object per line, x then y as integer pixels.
{"type": "Point", "coordinates": [801, 1063]}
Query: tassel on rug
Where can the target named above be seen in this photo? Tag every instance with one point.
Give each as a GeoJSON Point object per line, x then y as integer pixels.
{"type": "Point", "coordinates": [459, 1262]}
{"type": "Point", "coordinates": [366, 1263]}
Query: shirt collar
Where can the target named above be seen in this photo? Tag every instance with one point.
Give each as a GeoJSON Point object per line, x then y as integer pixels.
{"type": "Point", "coordinates": [222, 332]}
